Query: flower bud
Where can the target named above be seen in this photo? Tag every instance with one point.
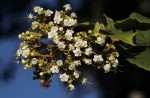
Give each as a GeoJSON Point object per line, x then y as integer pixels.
{"type": "Point", "coordinates": [60, 28]}
{"type": "Point", "coordinates": [41, 74]}
{"type": "Point", "coordinates": [32, 54]}
{"type": "Point", "coordinates": [42, 81]}
{"type": "Point", "coordinates": [23, 61]}
{"type": "Point", "coordinates": [40, 64]}
{"type": "Point", "coordinates": [28, 38]}
{"type": "Point", "coordinates": [27, 32]}
{"type": "Point", "coordinates": [89, 31]}
{"type": "Point", "coordinates": [31, 36]}
{"type": "Point", "coordinates": [71, 87]}
{"type": "Point", "coordinates": [19, 36]}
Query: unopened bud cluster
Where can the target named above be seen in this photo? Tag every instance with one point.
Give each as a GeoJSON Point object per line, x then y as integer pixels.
{"type": "Point", "coordinates": [77, 48]}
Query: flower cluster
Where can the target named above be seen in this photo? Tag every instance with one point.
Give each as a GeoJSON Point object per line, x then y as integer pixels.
{"type": "Point", "coordinates": [66, 49]}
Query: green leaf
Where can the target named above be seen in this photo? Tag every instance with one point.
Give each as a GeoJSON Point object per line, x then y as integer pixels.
{"type": "Point", "coordinates": [142, 60]}
{"type": "Point", "coordinates": [135, 21]}
{"type": "Point", "coordinates": [110, 23]}
{"type": "Point", "coordinates": [123, 47]}
{"type": "Point", "coordinates": [140, 18]}
{"type": "Point", "coordinates": [97, 27]}
{"type": "Point", "coordinates": [126, 37]}
{"type": "Point", "coordinates": [118, 34]}
{"type": "Point", "coordinates": [84, 23]}
{"type": "Point", "coordinates": [143, 38]}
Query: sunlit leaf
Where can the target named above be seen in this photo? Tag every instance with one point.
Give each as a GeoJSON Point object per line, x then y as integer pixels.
{"type": "Point", "coordinates": [110, 24]}
{"type": "Point", "coordinates": [97, 27]}
{"type": "Point", "coordinates": [126, 37]}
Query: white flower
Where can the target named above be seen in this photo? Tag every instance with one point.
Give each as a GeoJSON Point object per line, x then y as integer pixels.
{"type": "Point", "coordinates": [25, 52]}
{"type": "Point", "coordinates": [19, 52]}
{"type": "Point", "coordinates": [54, 29]}
{"type": "Point", "coordinates": [30, 16]}
{"type": "Point", "coordinates": [72, 66]}
{"type": "Point", "coordinates": [54, 69]}
{"type": "Point", "coordinates": [88, 51]}
{"type": "Point", "coordinates": [107, 67]}
{"type": "Point", "coordinates": [59, 62]}
{"type": "Point", "coordinates": [77, 52]}
{"type": "Point", "coordinates": [87, 61]}
{"type": "Point", "coordinates": [67, 7]}
{"type": "Point", "coordinates": [55, 39]}
{"type": "Point", "coordinates": [70, 22]}
{"type": "Point", "coordinates": [115, 63]}
{"type": "Point", "coordinates": [48, 12]}
{"type": "Point", "coordinates": [76, 39]}
{"type": "Point", "coordinates": [101, 40]}
{"type": "Point", "coordinates": [84, 44]}
{"type": "Point", "coordinates": [111, 58]}
{"type": "Point", "coordinates": [61, 45]}
{"type": "Point", "coordinates": [34, 61]}
{"type": "Point", "coordinates": [24, 46]}
{"type": "Point", "coordinates": [71, 47]}
{"type": "Point", "coordinates": [77, 62]}
{"type": "Point", "coordinates": [73, 15]}
{"type": "Point", "coordinates": [68, 34]}
{"type": "Point", "coordinates": [26, 66]}
{"type": "Point", "coordinates": [64, 77]}
{"type": "Point", "coordinates": [71, 87]}
{"type": "Point", "coordinates": [38, 9]}
{"type": "Point", "coordinates": [97, 58]}
{"type": "Point", "coordinates": [53, 32]}
{"type": "Point", "coordinates": [69, 31]}
{"type": "Point", "coordinates": [52, 35]}
{"type": "Point", "coordinates": [76, 74]}
{"type": "Point", "coordinates": [57, 17]}
{"type": "Point", "coordinates": [80, 43]}
{"type": "Point", "coordinates": [35, 24]}
{"type": "Point", "coordinates": [68, 37]}
{"type": "Point", "coordinates": [84, 81]}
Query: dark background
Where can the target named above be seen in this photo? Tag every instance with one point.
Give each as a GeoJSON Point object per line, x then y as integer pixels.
{"type": "Point", "coordinates": [129, 82]}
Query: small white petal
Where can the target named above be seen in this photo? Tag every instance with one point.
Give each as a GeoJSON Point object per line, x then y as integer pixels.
{"type": "Point", "coordinates": [107, 67]}
{"type": "Point", "coordinates": [77, 52]}
{"type": "Point", "coordinates": [34, 61]}
{"type": "Point", "coordinates": [61, 45]}
{"type": "Point", "coordinates": [64, 77]}
{"type": "Point", "coordinates": [76, 74]}
{"type": "Point", "coordinates": [84, 81]}
{"type": "Point", "coordinates": [67, 7]}
{"type": "Point", "coordinates": [54, 69]}
{"type": "Point", "coordinates": [59, 62]}
{"type": "Point", "coordinates": [57, 17]}
{"type": "Point", "coordinates": [87, 61]}
{"type": "Point", "coordinates": [70, 22]}
{"type": "Point", "coordinates": [48, 12]}
{"type": "Point", "coordinates": [88, 51]}
{"type": "Point", "coordinates": [97, 58]}
{"type": "Point", "coordinates": [71, 87]}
